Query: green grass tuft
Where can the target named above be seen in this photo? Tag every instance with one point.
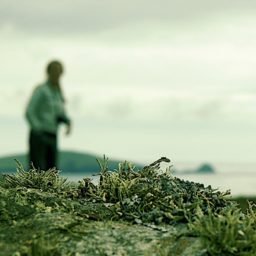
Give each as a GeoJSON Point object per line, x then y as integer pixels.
{"type": "Point", "coordinates": [49, 180]}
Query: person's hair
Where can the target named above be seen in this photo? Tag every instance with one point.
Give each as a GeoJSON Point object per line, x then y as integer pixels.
{"type": "Point", "coordinates": [52, 63]}
{"type": "Point", "coordinates": [48, 70]}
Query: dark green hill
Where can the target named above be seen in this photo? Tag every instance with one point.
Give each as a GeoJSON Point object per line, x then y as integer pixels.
{"type": "Point", "coordinates": [7, 164]}
{"type": "Point", "coordinates": [70, 162]}
{"type": "Point", "coordinates": [205, 169]}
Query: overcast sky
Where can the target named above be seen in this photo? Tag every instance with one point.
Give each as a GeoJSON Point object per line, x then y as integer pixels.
{"type": "Point", "coordinates": [143, 79]}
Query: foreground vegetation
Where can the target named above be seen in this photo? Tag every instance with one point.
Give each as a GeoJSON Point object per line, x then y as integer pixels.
{"type": "Point", "coordinates": [129, 212]}
{"type": "Point", "coordinates": [70, 162]}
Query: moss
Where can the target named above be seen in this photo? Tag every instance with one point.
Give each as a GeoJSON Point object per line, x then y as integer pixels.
{"type": "Point", "coordinates": [65, 234]}
{"type": "Point", "coordinates": [130, 212]}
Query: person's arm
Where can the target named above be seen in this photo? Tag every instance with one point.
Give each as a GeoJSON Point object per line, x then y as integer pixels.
{"type": "Point", "coordinates": [68, 128]}
{"type": "Point", "coordinates": [33, 110]}
{"type": "Point", "coordinates": [64, 119]}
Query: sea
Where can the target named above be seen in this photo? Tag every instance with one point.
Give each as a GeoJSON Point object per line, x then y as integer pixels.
{"type": "Point", "coordinates": [240, 179]}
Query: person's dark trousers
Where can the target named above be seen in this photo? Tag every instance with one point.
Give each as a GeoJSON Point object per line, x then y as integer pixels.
{"type": "Point", "coordinates": [43, 150]}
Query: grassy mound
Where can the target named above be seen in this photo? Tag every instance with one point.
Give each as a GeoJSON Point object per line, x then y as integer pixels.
{"type": "Point", "coordinates": [151, 195]}
{"type": "Point", "coordinates": [129, 212]}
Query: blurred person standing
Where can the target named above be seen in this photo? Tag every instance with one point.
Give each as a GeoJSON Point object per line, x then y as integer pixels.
{"type": "Point", "coordinates": [44, 113]}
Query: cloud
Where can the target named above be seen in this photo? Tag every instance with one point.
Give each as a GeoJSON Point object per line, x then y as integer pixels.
{"type": "Point", "coordinates": [88, 16]}
{"type": "Point", "coordinates": [150, 105]}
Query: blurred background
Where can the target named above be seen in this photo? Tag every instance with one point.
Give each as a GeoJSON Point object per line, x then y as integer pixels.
{"type": "Point", "coordinates": [143, 79]}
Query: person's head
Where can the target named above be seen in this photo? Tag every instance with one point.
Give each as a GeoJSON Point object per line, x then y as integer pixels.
{"type": "Point", "coordinates": [54, 70]}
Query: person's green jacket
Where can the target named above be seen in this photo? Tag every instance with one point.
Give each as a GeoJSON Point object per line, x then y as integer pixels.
{"type": "Point", "coordinates": [45, 110]}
